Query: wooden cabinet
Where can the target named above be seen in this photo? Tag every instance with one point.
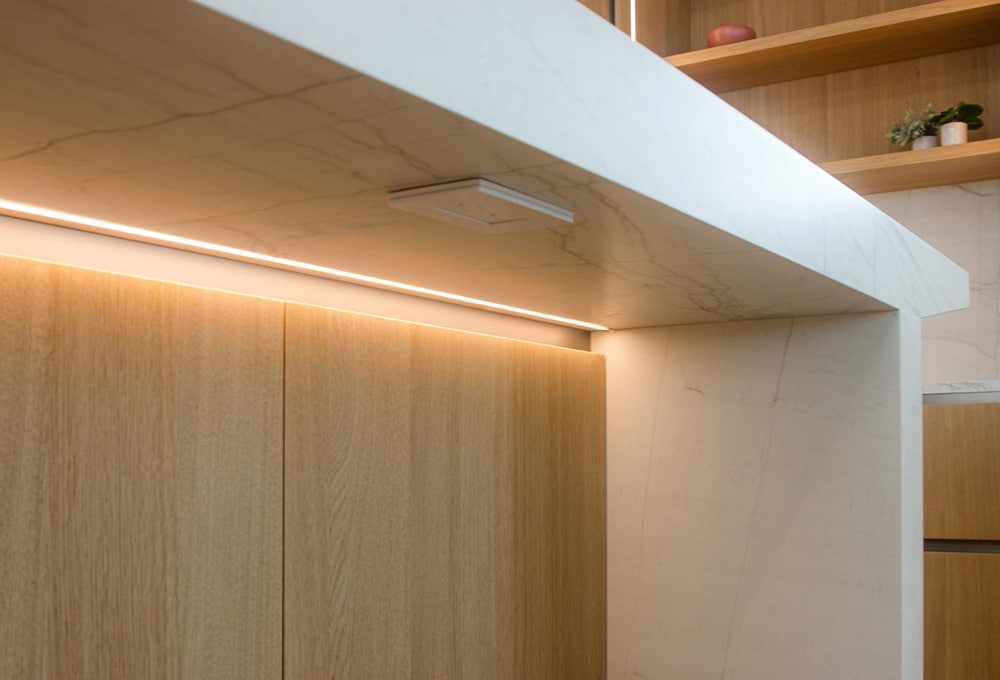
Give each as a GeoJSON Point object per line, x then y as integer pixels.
{"type": "Point", "coordinates": [962, 616]}
{"type": "Point", "coordinates": [445, 504]}
{"type": "Point", "coordinates": [962, 525]}
{"type": "Point", "coordinates": [829, 77]}
{"type": "Point", "coordinates": [962, 471]}
{"type": "Point", "coordinates": [201, 485]}
{"type": "Point", "coordinates": [140, 478]}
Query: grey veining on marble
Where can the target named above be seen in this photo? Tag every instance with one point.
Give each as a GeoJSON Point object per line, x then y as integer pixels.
{"type": "Point", "coordinates": [963, 387]}
{"type": "Point", "coordinates": [976, 392]}
{"type": "Point", "coordinates": [963, 222]}
{"type": "Point", "coordinates": [764, 500]}
{"type": "Point", "coordinates": [166, 115]}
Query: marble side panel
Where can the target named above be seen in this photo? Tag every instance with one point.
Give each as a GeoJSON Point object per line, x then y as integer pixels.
{"type": "Point", "coordinates": [764, 499]}
{"type": "Point", "coordinates": [963, 222]}
{"type": "Point", "coordinates": [911, 498]}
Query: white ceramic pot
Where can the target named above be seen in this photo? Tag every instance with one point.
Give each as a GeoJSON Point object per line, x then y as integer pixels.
{"type": "Point", "coordinates": [925, 142]}
{"type": "Point", "coordinates": [954, 133]}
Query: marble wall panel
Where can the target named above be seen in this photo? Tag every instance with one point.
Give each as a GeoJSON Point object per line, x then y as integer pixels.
{"type": "Point", "coordinates": [962, 221]}
{"type": "Point", "coordinates": [764, 499]}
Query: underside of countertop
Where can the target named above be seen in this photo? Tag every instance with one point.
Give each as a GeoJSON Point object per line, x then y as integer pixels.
{"type": "Point", "coordinates": [284, 134]}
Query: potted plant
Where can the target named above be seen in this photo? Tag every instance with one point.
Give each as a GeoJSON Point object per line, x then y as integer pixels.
{"type": "Point", "coordinates": [918, 129]}
{"type": "Point", "coordinates": [956, 122]}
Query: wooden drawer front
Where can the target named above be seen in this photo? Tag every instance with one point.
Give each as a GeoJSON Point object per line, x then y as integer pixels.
{"type": "Point", "coordinates": [962, 471]}
{"type": "Point", "coordinates": [961, 616]}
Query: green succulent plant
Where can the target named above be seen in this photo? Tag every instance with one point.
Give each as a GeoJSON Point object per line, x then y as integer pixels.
{"type": "Point", "coordinates": [928, 123]}
{"type": "Point", "coordinates": [913, 126]}
{"type": "Point", "coordinates": [964, 113]}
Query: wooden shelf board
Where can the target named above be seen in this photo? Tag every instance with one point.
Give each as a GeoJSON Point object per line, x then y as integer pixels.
{"type": "Point", "coordinates": [902, 170]}
{"type": "Point", "coordinates": [877, 39]}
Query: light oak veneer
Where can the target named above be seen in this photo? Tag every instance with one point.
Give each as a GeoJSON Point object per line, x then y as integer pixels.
{"type": "Point", "coordinates": [911, 170]}
{"type": "Point", "coordinates": [830, 76]}
{"type": "Point", "coordinates": [140, 479]}
{"type": "Point", "coordinates": [961, 616]}
{"type": "Point", "coordinates": [444, 504]}
{"type": "Point", "coordinates": [844, 45]}
{"type": "Point", "coordinates": [602, 8]}
{"type": "Point", "coordinates": [962, 512]}
{"type": "Point", "coordinates": [962, 471]}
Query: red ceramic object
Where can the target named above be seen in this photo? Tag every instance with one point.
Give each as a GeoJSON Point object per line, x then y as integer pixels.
{"type": "Point", "coordinates": [730, 33]}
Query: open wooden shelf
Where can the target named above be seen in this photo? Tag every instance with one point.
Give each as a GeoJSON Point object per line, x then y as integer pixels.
{"type": "Point", "coordinates": [877, 39]}
{"type": "Point", "coordinates": [901, 170]}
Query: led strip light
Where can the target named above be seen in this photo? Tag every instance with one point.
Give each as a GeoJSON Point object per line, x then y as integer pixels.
{"type": "Point", "coordinates": [15, 209]}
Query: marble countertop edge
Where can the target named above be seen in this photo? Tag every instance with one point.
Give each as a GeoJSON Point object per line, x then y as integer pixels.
{"type": "Point", "coordinates": [557, 77]}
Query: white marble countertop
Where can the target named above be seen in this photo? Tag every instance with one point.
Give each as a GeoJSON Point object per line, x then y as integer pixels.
{"type": "Point", "coordinates": [971, 392]}
{"type": "Point", "coordinates": [963, 387]}
{"type": "Point", "coordinates": [188, 122]}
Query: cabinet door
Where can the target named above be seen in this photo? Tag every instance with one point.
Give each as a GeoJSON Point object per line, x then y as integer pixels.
{"type": "Point", "coordinates": [140, 479]}
{"type": "Point", "coordinates": [962, 471]}
{"type": "Point", "coordinates": [444, 509]}
{"type": "Point", "coordinates": [962, 616]}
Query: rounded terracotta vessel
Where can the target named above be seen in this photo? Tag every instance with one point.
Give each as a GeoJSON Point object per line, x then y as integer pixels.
{"type": "Point", "coordinates": [730, 33]}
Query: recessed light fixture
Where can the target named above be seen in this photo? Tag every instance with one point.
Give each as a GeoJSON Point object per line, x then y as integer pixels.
{"type": "Point", "coordinates": [57, 217]}
{"type": "Point", "coordinates": [480, 205]}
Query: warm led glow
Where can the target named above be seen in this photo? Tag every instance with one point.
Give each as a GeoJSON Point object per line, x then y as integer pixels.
{"type": "Point", "coordinates": [57, 217]}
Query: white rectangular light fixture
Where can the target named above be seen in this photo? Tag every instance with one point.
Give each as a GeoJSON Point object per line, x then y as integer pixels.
{"type": "Point", "coordinates": [480, 205]}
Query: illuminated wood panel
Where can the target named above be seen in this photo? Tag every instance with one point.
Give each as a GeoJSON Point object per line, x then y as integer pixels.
{"type": "Point", "coordinates": [444, 504]}
{"type": "Point", "coordinates": [140, 478]}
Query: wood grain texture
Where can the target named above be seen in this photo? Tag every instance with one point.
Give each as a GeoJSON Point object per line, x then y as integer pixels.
{"type": "Point", "coordinates": [843, 10]}
{"type": "Point", "coordinates": [861, 105]}
{"type": "Point", "coordinates": [926, 168]}
{"type": "Point", "coordinates": [623, 15]}
{"type": "Point", "coordinates": [140, 478]}
{"type": "Point", "coordinates": [846, 115]}
{"type": "Point", "coordinates": [843, 45]}
{"type": "Point", "coordinates": [781, 109]}
{"type": "Point", "coordinates": [600, 7]}
{"type": "Point", "coordinates": [961, 616]}
{"type": "Point", "coordinates": [766, 17]}
{"type": "Point", "coordinates": [663, 25]}
{"type": "Point", "coordinates": [444, 504]}
{"type": "Point", "coordinates": [962, 471]}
